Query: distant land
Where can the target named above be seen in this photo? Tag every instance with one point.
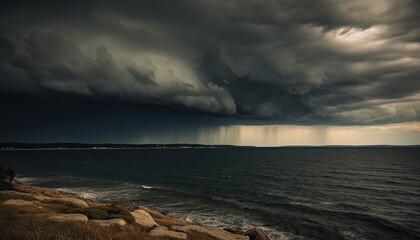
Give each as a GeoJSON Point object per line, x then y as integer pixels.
{"type": "Point", "coordinates": [57, 146]}
{"type": "Point", "coordinates": [103, 146]}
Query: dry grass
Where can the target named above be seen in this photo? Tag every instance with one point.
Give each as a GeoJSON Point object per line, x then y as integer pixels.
{"type": "Point", "coordinates": [30, 221]}
{"type": "Point", "coordinates": [29, 210]}
{"type": "Point", "coordinates": [23, 222]}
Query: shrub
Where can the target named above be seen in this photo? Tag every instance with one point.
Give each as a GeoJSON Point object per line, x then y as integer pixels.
{"type": "Point", "coordinates": [6, 178]}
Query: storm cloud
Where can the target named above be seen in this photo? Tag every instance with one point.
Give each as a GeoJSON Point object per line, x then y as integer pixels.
{"type": "Point", "coordinates": [279, 62]}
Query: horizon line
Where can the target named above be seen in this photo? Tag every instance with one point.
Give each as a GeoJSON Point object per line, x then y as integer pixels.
{"type": "Point", "coordinates": [127, 145]}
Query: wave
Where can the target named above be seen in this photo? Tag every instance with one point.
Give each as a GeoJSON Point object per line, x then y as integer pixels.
{"type": "Point", "coordinates": [207, 210]}
{"type": "Point", "coordinates": [27, 180]}
{"type": "Point", "coordinates": [82, 193]}
{"type": "Point", "coordinates": [288, 220]}
{"type": "Point", "coordinates": [304, 219]}
{"type": "Point", "coordinates": [294, 218]}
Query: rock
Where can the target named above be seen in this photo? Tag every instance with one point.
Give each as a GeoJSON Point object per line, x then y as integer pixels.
{"type": "Point", "coordinates": [212, 232]}
{"type": "Point", "coordinates": [143, 218]}
{"type": "Point", "coordinates": [74, 201]}
{"type": "Point", "coordinates": [162, 218]}
{"type": "Point", "coordinates": [69, 217]}
{"type": "Point", "coordinates": [16, 193]}
{"type": "Point", "coordinates": [163, 232]}
{"type": "Point", "coordinates": [41, 197]}
{"type": "Point", "coordinates": [256, 234]}
{"type": "Point", "coordinates": [42, 191]}
{"type": "Point", "coordinates": [109, 222]}
{"type": "Point", "coordinates": [234, 230]}
{"type": "Point", "coordinates": [18, 202]}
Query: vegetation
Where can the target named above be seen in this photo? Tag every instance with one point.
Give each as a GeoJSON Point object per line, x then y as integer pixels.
{"type": "Point", "coordinates": [15, 225]}
{"type": "Point", "coordinates": [6, 178]}
{"type": "Point", "coordinates": [31, 221]}
{"type": "Point", "coordinates": [26, 212]}
{"type": "Point", "coordinates": [103, 212]}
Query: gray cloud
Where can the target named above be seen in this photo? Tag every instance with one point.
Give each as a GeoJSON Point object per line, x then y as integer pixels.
{"type": "Point", "coordinates": [302, 62]}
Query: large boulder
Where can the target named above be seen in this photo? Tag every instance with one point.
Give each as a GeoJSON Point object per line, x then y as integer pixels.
{"type": "Point", "coordinates": [143, 218]}
{"type": "Point", "coordinates": [109, 222]}
{"type": "Point", "coordinates": [73, 201]}
{"type": "Point", "coordinates": [18, 202]}
{"type": "Point", "coordinates": [41, 197]}
{"type": "Point", "coordinates": [163, 232]}
{"type": "Point", "coordinates": [69, 217]}
{"type": "Point", "coordinates": [211, 232]}
{"type": "Point", "coordinates": [12, 193]}
{"type": "Point", "coordinates": [234, 230]}
{"type": "Point", "coordinates": [256, 234]}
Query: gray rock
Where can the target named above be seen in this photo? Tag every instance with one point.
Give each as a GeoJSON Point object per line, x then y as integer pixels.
{"type": "Point", "coordinates": [69, 217]}
{"type": "Point", "coordinates": [256, 234]}
{"type": "Point", "coordinates": [41, 197]}
{"type": "Point", "coordinates": [18, 202]}
{"type": "Point", "coordinates": [234, 230]}
{"type": "Point", "coordinates": [16, 193]}
{"type": "Point", "coordinates": [109, 222]}
{"type": "Point", "coordinates": [212, 232]}
{"type": "Point", "coordinates": [163, 232]}
{"type": "Point", "coordinates": [74, 201]}
{"type": "Point", "coordinates": [143, 218]}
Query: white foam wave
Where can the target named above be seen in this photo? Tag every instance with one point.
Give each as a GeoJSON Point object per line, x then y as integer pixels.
{"type": "Point", "coordinates": [27, 179]}
{"type": "Point", "coordinates": [223, 220]}
{"type": "Point", "coordinates": [84, 193]}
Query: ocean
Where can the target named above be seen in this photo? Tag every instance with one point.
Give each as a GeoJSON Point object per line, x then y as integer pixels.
{"type": "Point", "coordinates": [291, 193]}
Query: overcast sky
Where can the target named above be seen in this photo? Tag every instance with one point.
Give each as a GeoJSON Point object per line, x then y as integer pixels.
{"type": "Point", "coordinates": [185, 71]}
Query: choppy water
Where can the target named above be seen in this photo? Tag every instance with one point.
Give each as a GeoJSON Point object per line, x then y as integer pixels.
{"type": "Point", "coordinates": [292, 193]}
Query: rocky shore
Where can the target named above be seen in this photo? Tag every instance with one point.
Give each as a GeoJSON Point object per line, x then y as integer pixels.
{"type": "Point", "coordinates": [30, 212]}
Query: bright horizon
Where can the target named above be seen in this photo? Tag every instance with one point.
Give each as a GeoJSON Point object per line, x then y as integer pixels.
{"type": "Point", "coordinates": [294, 135]}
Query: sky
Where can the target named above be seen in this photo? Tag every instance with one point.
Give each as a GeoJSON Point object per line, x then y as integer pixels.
{"type": "Point", "coordinates": [264, 73]}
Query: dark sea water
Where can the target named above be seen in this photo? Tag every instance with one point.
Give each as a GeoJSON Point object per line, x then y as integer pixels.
{"type": "Point", "coordinates": [292, 193]}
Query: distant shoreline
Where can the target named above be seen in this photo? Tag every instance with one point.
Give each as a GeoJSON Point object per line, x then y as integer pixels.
{"type": "Point", "coordinates": [138, 148]}
{"type": "Point", "coordinates": [87, 146]}
{"type": "Point", "coordinates": [112, 146]}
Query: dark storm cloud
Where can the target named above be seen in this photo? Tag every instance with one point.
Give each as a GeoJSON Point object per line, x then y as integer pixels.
{"type": "Point", "coordinates": [302, 62]}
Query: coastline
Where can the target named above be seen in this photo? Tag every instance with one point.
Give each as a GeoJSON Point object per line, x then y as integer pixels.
{"type": "Point", "coordinates": [31, 212]}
